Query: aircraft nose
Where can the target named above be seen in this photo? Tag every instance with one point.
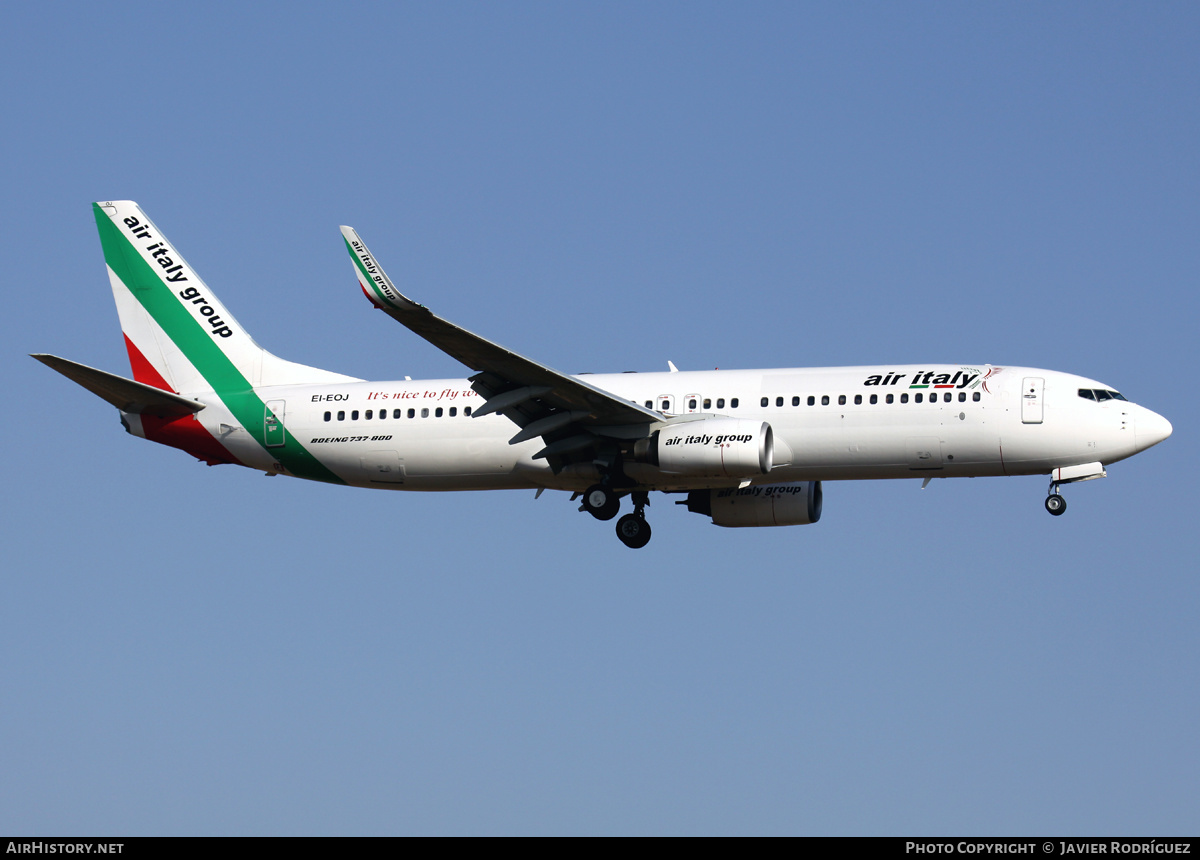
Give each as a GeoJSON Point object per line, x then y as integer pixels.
{"type": "Point", "coordinates": [1150, 429]}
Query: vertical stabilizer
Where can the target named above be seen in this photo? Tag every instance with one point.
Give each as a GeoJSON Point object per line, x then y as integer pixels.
{"type": "Point", "coordinates": [178, 334]}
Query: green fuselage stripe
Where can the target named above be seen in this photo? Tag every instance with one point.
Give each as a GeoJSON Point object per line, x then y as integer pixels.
{"type": "Point", "coordinates": [197, 344]}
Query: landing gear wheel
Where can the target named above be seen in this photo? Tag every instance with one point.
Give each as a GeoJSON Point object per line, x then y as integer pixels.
{"type": "Point", "coordinates": [601, 502]}
{"type": "Point", "coordinates": [633, 531]}
{"type": "Point", "coordinates": [1056, 505]}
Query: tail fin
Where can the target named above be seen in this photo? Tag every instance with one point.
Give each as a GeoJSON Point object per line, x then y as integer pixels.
{"type": "Point", "coordinates": [178, 334]}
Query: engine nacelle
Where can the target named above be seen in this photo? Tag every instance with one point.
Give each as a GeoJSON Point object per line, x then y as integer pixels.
{"type": "Point", "coordinates": [711, 448]}
{"type": "Point", "coordinates": [793, 504]}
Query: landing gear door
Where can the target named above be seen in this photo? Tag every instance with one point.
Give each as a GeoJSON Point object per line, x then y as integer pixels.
{"type": "Point", "coordinates": [1032, 390]}
{"type": "Point", "coordinates": [273, 432]}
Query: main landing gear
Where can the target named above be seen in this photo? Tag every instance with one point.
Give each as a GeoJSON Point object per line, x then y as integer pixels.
{"type": "Point", "coordinates": [632, 529]}
{"type": "Point", "coordinates": [1055, 503]}
{"type": "Point", "coordinates": [602, 502]}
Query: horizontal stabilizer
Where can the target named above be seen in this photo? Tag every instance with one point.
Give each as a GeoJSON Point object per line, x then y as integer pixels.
{"type": "Point", "coordinates": [125, 394]}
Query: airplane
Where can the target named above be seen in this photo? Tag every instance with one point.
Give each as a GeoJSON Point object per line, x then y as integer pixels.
{"type": "Point", "coordinates": [746, 448]}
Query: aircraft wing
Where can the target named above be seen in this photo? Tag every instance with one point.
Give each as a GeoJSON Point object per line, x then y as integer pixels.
{"type": "Point", "coordinates": [564, 410]}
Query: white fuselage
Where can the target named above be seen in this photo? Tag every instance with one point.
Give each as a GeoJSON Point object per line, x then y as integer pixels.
{"type": "Point", "coordinates": [1004, 421]}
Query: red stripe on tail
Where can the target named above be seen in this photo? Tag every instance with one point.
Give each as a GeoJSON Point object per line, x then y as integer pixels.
{"type": "Point", "coordinates": [186, 434]}
{"type": "Point", "coordinates": [143, 370]}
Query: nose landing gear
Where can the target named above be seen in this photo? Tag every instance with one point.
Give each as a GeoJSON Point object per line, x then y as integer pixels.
{"type": "Point", "coordinates": [1055, 503]}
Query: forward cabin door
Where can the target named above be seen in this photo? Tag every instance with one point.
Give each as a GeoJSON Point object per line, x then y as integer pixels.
{"type": "Point", "coordinates": [1032, 389]}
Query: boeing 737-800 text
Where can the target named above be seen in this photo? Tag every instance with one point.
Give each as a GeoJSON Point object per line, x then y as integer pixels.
{"type": "Point", "coordinates": [746, 447]}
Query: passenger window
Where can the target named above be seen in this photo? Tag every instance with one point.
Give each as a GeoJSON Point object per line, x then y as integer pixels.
{"type": "Point", "coordinates": [947, 397]}
{"type": "Point", "coordinates": [918, 397]}
{"type": "Point", "coordinates": [904, 397]}
{"type": "Point", "coordinates": [720, 402]}
{"type": "Point", "coordinates": [824, 399]}
{"type": "Point", "coordinates": [762, 402]}
{"type": "Point", "coordinates": [466, 410]}
{"type": "Point", "coordinates": [649, 404]}
{"type": "Point", "coordinates": [975, 396]}
{"type": "Point", "coordinates": [396, 413]}
{"type": "Point", "coordinates": [341, 416]}
{"type": "Point", "coordinates": [962, 397]}
{"type": "Point", "coordinates": [733, 403]}
{"type": "Point", "coordinates": [812, 401]}
{"type": "Point", "coordinates": [354, 415]}
{"type": "Point", "coordinates": [707, 404]}
{"type": "Point", "coordinates": [692, 403]}
{"type": "Point", "coordinates": [874, 399]}
{"type": "Point", "coordinates": [412, 413]}
{"type": "Point", "coordinates": [453, 411]}
{"type": "Point", "coordinates": [370, 414]}
{"type": "Point", "coordinates": [841, 400]}
{"type": "Point", "coordinates": [890, 398]}
{"type": "Point", "coordinates": [795, 401]}
{"type": "Point", "coordinates": [328, 416]}
{"type": "Point", "coordinates": [666, 404]}
{"type": "Point", "coordinates": [425, 412]}
{"type": "Point", "coordinates": [438, 413]}
{"type": "Point", "coordinates": [858, 400]}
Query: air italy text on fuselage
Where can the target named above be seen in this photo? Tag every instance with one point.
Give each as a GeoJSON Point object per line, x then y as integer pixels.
{"type": "Point", "coordinates": [926, 379]}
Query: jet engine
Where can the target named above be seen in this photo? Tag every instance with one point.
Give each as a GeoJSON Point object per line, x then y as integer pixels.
{"type": "Point", "coordinates": [793, 504]}
{"type": "Point", "coordinates": [710, 448]}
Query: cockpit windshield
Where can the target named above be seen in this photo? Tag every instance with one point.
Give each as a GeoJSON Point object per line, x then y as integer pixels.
{"type": "Point", "coordinates": [1100, 394]}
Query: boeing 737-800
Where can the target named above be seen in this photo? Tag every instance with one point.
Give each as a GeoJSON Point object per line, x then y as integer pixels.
{"type": "Point", "coordinates": [745, 447]}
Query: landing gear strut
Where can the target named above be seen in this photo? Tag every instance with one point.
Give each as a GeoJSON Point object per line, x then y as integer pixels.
{"type": "Point", "coordinates": [1055, 503]}
{"type": "Point", "coordinates": [632, 529]}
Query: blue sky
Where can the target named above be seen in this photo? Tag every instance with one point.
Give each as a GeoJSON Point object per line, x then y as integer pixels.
{"type": "Point", "coordinates": [604, 187]}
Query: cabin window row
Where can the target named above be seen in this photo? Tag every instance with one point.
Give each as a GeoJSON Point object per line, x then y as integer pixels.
{"type": "Point", "coordinates": [919, 397]}
{"type": "Point", "coordinates": [665, 405]}
{"type": "Point", "coordinates": [370, 414]}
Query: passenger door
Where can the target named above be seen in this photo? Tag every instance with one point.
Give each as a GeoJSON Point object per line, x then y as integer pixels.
{"type": "Point", "coordinates": [1032, 388]}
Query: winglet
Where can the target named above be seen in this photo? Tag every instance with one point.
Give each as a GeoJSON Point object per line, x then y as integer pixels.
{"type": "Point", "coordinates": [374, 281]}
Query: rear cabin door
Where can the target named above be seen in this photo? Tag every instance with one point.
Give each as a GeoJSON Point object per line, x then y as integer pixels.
{"type": "Point", "coordinates": [1032, 388]}
{"type": "Point", "coordinates": [273, 433]}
